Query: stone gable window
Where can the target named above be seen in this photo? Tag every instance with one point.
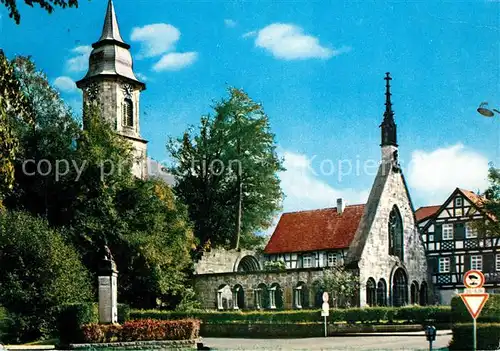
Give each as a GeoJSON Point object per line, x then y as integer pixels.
{"type": "Point", "coordinates": [395, 233]}
{"type": "Point", "coordinates": [444, 265]}
{"type": "Point", "coordinates": [448, 229]}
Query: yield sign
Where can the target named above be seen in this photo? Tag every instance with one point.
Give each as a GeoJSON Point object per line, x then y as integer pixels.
{"type": "Point", "coordinates": [474, 303]}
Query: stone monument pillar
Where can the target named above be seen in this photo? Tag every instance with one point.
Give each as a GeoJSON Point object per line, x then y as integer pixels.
{"type": "Point", "coordinates": [108, 302]}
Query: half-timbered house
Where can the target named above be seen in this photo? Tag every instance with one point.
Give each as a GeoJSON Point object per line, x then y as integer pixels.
{"type": "Point", "coordinates": [454, 245]}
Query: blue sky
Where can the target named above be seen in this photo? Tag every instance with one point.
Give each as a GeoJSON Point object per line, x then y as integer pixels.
{"type": "Point", "coordinates": [318, 69]}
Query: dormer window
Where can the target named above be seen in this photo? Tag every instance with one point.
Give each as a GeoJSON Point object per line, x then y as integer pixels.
{"type": "Point", "coordinates": [128, 113]}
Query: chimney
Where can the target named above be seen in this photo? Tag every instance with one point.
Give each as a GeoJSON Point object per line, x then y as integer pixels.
{"type": "Point", "coordinates": [340, 206]}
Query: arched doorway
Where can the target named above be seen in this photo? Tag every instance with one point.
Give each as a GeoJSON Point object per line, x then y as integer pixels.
{"type": "Point", "coordinates": [318, 293]}
{"type": "Point", "coordinates": [381, 293]}
{"type": "Point", "coordinates": [301, 296]}
{"type": "Point", "coordinates": [248, 264]}
{"type": "Point", "coordinates": [371, 292]}
{"type": "Point", "coordinates": [261, 296]}
{"type": "Point", "coordinates": [423, 294]}
{"type": "Point", "coordinates": [399, 288]}
{"type": "Point", "coordinates": [414, 297]}
{"type": "Point", "coordinates": [275, 296]}
{"type": "Point", "coordinates": [224, 297]}
{"type": "Point", "coordinates": [238, 297]}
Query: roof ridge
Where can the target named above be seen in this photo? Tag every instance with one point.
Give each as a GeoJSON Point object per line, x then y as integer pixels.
{"type": "Point", "coordinates": [323, 209]}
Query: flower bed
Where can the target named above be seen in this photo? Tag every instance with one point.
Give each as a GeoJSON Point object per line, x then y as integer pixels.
{"type": "Point", "coordinates": [141, 330]}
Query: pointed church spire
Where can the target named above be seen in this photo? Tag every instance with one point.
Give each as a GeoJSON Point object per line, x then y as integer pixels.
{"type": "Point", "coordinates": [389, 135]}
{"type": "Point", "coordinates": [110, 29]}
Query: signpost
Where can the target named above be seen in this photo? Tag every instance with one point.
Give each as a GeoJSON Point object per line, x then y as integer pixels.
{"type": "Point", "coordinates": [474, 297]}
{"type": "Point", "coordinates": [325, 310]}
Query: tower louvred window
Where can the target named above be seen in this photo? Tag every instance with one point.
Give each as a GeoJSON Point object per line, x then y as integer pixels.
{"type": "Point", "coordinates": [128, 113]}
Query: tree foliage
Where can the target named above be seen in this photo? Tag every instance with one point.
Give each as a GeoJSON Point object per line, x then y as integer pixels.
{"type": "Point", "coordinates": [491, 204]}
{"type": "Point", "coordinates": [233, 147]}
{"type": "Point", "coordinates": [96, 197]}
{"type": "Point", "coordinates": [38, 272]}
{"type": "Point", "coordinates": [47, 5]}
{"type": "Point", "coordinates": [341, 284]}
{"type": "Point", "coordinates": [13, 106]}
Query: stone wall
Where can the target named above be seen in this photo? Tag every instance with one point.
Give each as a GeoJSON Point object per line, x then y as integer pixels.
{"type": "Point", "coordinates": [225, 261]}
{"type": "Point", "coordinates": [207, 285]}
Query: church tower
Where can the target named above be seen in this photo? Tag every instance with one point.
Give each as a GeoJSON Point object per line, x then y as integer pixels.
{"type": "Point", "coordinates": [111, 84]}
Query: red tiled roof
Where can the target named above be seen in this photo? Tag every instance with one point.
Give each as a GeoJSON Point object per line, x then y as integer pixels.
{"type": "Point", "coordinates": [476, 199]}
{"type": "Point", "coordinates": [315, 230]}
{"type": "Point", "coordinates": [425, 212]}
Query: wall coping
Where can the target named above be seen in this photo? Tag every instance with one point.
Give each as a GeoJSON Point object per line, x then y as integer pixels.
{"type": "Point", "coordinates": [290, 270]}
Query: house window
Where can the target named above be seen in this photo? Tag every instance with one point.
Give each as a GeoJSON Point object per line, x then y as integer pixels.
{"type": "Point", "coordinates": [448, 231]}
{"type": "Point", "coordinates": [395, 233]}
{"type": "Point", "coordinates": [307, 261]}
{"type": "Point", "coordinates": [470, 231]}
{"type": "Point", "coordinates": [444, 265]}
{"type": "Point", "coordinates": [458, 201]}
{"type": "Point", "coordinates": [476, 262]}
{"type": "Point", "coordinates": [497, 262]}
{"type": "Point", "coordinates": [331, 259]}
{"type": "Point", "coordinates": [127, 113]}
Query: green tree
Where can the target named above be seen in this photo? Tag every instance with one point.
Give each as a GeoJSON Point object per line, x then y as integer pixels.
{"type": "Point", "coordinates": [230, 164]}
{"type": "Point", "coordinates": [47, 5]}
{"type": "Point", "coordinates": [38, 272]}
{"type": "Point", "coordinates": [341, 284]}
{"type": "Point", "coordinates": [13, 106]}
{"type": "Point", "coordinates": [491, 204]}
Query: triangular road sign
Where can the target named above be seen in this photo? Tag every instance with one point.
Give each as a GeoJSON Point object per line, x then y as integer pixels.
{"type": "Point", "coordinates": [474, 303]}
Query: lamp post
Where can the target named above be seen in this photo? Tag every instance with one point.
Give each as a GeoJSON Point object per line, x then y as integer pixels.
{"type": "Point", "coordinates": [486, 112]}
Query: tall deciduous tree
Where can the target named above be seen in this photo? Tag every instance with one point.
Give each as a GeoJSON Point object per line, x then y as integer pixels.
{"type": "Point", "coordinates": [230, 164]}
{"type": "Point", "coordinates": [492, 204]}
{"type": "Point", "coordinates": [47, 5]}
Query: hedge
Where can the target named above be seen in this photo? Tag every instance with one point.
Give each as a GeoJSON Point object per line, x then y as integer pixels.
{"type": "Point", "coordinates": [488, 336]}
{"type": "Point", "coordinates": [71, 317]}
{"type": "Point", "coordinates": [142, 330]}
{"type": "Point", "coordinates": [371, 315]}
{"type": "Point", "coordinates": [489, 314]}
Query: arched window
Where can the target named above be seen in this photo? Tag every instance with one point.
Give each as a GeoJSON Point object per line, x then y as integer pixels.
{"type": "Point", "coordinates": [371, 297]}
{"type": "Point", "coordinates": [248, 264]}
{"type": "Point", "coordinates": [128, 113]}
{"type": "Point", "coordinates": [301, 296]}
{"type": "Point", "coordinates": [238, 297]}
{"type": "Point", "coordinates": [395, 233]}
{"type": "Point", "coordinates": [381, 293]}
{"type": "Point", "coordinates": [261, 296]}
{"type": "Point", "coordinates": [414, 293]}
{"type": "Point", "coordinates": [399, 288]}
{"type": "Point", "coordinates": [423, 294]}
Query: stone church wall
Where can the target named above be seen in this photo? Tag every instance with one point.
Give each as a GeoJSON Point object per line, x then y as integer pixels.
{"type": "Point", "coordinates": [225, 261]}
{"type": "Point", "coordinates": [207, 285]}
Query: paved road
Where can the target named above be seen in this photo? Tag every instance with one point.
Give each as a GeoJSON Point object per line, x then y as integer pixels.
{"type": "Point", "coordinates": [360, 342]}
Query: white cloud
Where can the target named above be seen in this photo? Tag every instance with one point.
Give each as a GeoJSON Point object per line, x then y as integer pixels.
{"type": "Point", "coordinates": [79, 62]}
{"type": "Point", "coordinates": [249, 34]}
{"type": "Point", "coordinates": [65, 84]}
{"type": "Point", "coordinates": [304, 190]}
{"type": "Point", "coordinates": [434, 175]}
{"type": "Point", "coordinates": [175, 61]}
{"type": "Point", "coordinates": [229, 23]}
{"type": "Point", "coordinates": [288, 42]}
{"type": "Point", "coordinates": [155, 39]}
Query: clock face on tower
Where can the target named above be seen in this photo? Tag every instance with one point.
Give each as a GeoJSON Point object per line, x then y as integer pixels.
{"type": "Point", "coordinates": [127, 90]}
{"type": "Point", "coordinates": [92, 92]}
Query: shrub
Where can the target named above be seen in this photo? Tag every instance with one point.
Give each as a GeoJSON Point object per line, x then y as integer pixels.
{"type": "Point", "coordinates": [489, 314]}
{"type": "Point", "coordinates": [38, 272]}
{"type": "Point", "coordinates": [123, 313]}
{"type": "Point", "coordinates": [142, 330]}
{"type": "Point", "coordinates": [4, 323]}
{"type": "Point", "coordinates": [370, 315]}
{"type": "Point", "coordinates": [71, 317]}
{"type": "Point", "coordinates": [488, 336]}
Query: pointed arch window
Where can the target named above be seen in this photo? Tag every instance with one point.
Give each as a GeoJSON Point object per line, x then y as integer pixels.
{"type": "Point", "coordinates": [395, 233]}
{"type": "Point", "coordinates": [128, 113]}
